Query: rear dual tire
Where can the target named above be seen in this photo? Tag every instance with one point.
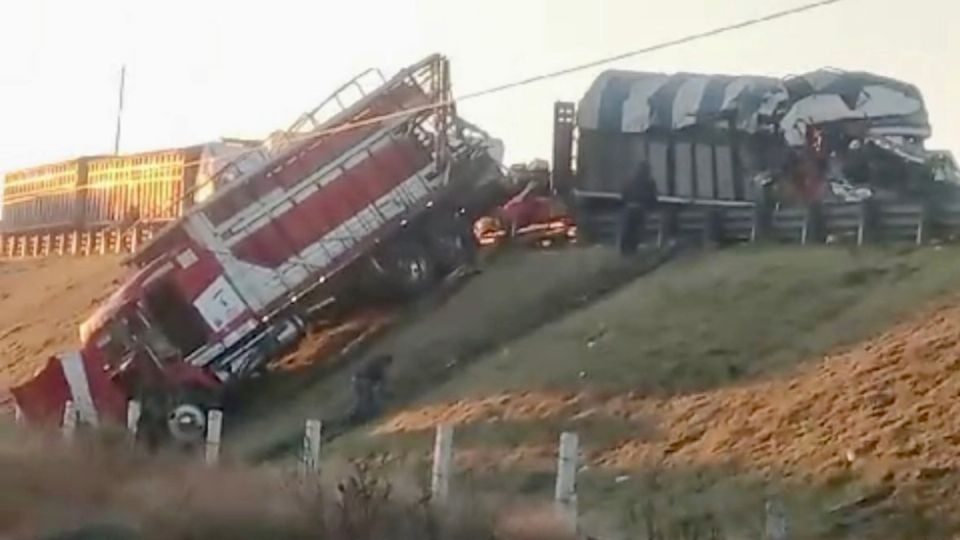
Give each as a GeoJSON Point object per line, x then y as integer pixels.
{"type": "Point", "coordinates": [410, 267]}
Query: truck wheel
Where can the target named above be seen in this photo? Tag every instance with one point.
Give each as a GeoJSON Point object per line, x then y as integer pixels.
{"type": "Point", "coordinates": [452, 249]}
{"type": "Point", "coordinates": [187, 419]}
{"type": "Point", "coordinates": [408, 268]}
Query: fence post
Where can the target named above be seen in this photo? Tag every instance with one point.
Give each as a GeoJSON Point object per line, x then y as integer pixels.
{"type": "Point", "coordinates": [566, 490]}
{"type": "Point", "coordinates": [87, 244]}
{"type": "Point", "coordinates": [133, 418]}
{"type": "Point", "coordinates": [69, 420]}
{"type": "Point", "coordinates": [18, 415]}
{"type": "Point", "coordinates": [131, 244]}
{"type": "Point", "coordinates": [442, 458]}
{"type": "Point", "coordinates": [311, 447]}
{"type": "Point", "coordinates": [776, 521]}
{"type": "Point", "coordinates": [214, 428]}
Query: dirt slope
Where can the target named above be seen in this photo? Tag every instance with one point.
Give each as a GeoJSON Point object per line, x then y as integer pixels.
{"type": "Point", "coordinates": [739, 364]}
{"type": "Point", "coordinates": [42, 303]}
{"type": "Point", "coordinates": [435, 342]}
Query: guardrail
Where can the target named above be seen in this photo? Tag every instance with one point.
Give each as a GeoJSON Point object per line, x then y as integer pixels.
{"type": "Point", "coordinates": [835, 222]}
{"type": "Point", "coordinates": [76, 243]}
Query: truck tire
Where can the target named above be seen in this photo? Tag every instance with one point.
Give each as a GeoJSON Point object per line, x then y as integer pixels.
{"type": "Point", "coordinates": [452, 248]}
{"type": "Point", "coordinates": [187, 418]}
{"type": "Point", "coordinates": [407, 268]}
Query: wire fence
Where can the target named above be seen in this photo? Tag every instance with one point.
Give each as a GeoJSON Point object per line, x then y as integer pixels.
{"type": "Point", "coordinates": [569, 465]}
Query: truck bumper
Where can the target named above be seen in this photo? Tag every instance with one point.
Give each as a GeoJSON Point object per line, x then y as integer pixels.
{"type": "Point", "coordinates": [71, 377]}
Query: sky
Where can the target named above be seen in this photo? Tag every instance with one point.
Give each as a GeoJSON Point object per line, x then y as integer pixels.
{"type": "Point", "coordinates": [201, 69]}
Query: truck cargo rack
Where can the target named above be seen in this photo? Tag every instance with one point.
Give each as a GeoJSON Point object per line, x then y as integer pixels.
{"type": "Point", "coordinates": [429, 75]}
{"type": "Point", "coordinates": [336, 109]}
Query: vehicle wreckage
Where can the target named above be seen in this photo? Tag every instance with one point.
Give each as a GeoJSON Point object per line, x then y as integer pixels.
{"type": "Point", "coordinates": [825, 135]}
{"type": "Point", "coordinates": [372, 193]}
{"type": "Point", "coordinates": [382, 195]}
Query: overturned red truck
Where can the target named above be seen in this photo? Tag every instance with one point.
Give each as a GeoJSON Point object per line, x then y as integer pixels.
{"type": "Point", "coordinates": [378, 197]}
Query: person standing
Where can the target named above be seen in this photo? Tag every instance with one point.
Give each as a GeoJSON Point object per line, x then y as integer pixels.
{"type": "Point", "coordinates": [639, 197]}
{"type": "Point", "coordinates": [368, 385]}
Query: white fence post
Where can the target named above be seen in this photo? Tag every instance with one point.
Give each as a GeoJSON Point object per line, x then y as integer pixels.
{"type": "Point", "coordinates": [311, 447]}
{"type": "Point", "coordinates": [133, 417]}
{"type": "Point", "coordinates": [566, 492]}
{"type": "Point", "coordinates": [776, 520]}
{"type": "Point", "coordinates": [442, 459]}
{"type": "Point", "coordinates": [69, 420]}
{"type": "Point", "coordinates": [214, 427]}
{"type": "Point", "coordinates": [18, 415]}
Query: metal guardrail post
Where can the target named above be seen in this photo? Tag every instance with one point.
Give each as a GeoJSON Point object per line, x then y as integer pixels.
{"type": "Point", "coordinates": [813, 225]}
{"type": "Point", "coordinates": [713, 226]}
{"type": "Point", "coordinates": [101, 242]}
{"type": "Point", "coordinates": [762, 221]}
{"type": "Point", "coordinates": [927, 219]}
{"type": "Point", "coordinates": [867, 228]}
{"type": "Point", "coordinates": [668, 225]}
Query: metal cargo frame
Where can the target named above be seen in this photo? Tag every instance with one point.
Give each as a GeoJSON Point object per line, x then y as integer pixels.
{"type": "Point", "coordinates": [690, 165]}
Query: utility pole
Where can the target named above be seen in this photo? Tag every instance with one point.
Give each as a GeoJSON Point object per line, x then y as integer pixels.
{"type": "Point", "coordinates": [123, 79]}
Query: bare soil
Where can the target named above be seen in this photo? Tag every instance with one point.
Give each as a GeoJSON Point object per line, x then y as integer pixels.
{"type": "Point", "coordinates": [42, 303]}
{"type": "Point", "coordinates": [825, 376]}
{"type": "Point", "coordinates": [435, 341]}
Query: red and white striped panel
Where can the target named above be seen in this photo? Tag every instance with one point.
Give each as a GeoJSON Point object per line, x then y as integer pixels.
{"type": "Point", "coordinates": [71, 377]}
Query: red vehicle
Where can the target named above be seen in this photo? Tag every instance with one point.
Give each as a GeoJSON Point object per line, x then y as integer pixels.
{"type": "Point", "coordinates": [379, 197]}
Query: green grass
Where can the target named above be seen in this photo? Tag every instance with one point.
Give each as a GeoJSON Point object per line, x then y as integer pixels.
{"type": "Point", "coordinates": [701, 322]}
{"type": "Point", "coordinates": [514, 294]}
{"type": "Point", "coordinates": [716, 318]}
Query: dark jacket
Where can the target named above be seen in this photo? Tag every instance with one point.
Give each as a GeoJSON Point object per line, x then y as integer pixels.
{"type": "Point", "coordinates": [642, 191]}
{"type": "Point", "coordinates": [376, 371]}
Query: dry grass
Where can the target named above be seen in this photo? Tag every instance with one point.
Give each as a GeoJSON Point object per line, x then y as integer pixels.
{"type": "Point", "coordinates": [101, 489]}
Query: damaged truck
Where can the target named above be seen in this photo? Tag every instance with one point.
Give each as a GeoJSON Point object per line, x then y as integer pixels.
{"type": "Point", "coordinates": [374, 192]}
{"type": "Point", "coordinates": [719, 139]}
